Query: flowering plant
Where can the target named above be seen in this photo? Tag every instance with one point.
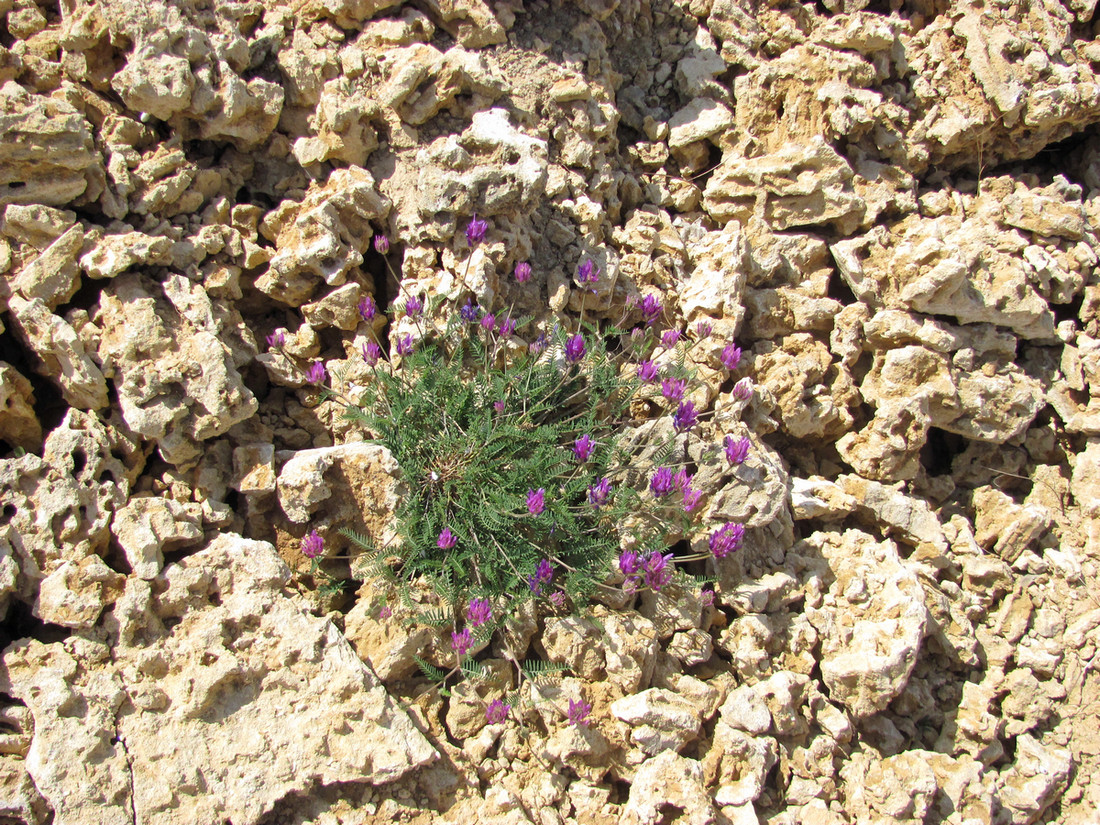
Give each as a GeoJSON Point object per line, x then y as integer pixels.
{"type": "Point", "coordinates": [510, 436]}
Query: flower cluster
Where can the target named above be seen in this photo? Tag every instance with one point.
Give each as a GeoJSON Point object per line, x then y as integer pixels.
{"type": "Point", "coordinates": [525, 483]}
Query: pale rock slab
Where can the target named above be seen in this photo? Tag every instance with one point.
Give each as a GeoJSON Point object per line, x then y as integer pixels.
{"type": "Point", "coordinates": [1005, 527]}
{"type": "Point", "coordinates": [61, 352]}
{"type": "Point", "coordinates": [145, 527]}
{"type": "Point", "coordinates": [720, 261]}
{"type": "Point", "coordinates": [660, 719]}
{"type": "Point", "coordinates": [223, 644]}
{"type": "Point", "coordinates": [19, 425]}
{"type": "Point", "coordinates": [1077, 397]}
{"type": "Point", "coordinates": [174, 355]}
{"type": "Point", "coordinates": [61, 505]}
{"type": "Point", "coordinates": [321, 239]}
{"type": "Point", "coordinates": [814, 396]}
{"type": "Point", "coordinates": [797, 185]}
{"type": "Point", "coordinates": [113, 254]}
{"type": "Point", "coordinates": [970, 269]}
{"type": "Point", "coordinates": [387, 645]}
{"type": "Point", "coordinates": [897, 789]}
{"type": "Point", "coordinates": [871, 637]}
{"type": "Point", "coordinates": [77, 592]}
{"type": "Point", "coordinates": [360, 486]}
{"type": "Point", "coordinates": [910, 518]}
{"type": "Point", "coordinates": [53, 276]}
{"type": "Point", "coordinates": [746, 710]}
{"type": "Point", "coordinates": [700, 120]}
{"type": "Point", "coordinates": [1035, 780]}
{"type": "Point", "coordinates": [996, 82]}
{"type": "Point", "coordinates": [737, 764]}
{"type": "Point", "coordinates": [341, 126]}
{"type": "Point", "coordinates": [46, 148]}
{"type": "Point", "coordinates": [669, 779]}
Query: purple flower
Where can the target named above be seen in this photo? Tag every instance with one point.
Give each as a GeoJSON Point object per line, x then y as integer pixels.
{"type": "Point", "coordinates": [578, 712]}
{"type": "Point", "coordinates": [731, 356]}
{"type": "Point", "coordinates": [673, 388]}
{"type": "Point", "coordinates": [726, 539]}
{"type": "Point", "coordinates": [462, 642]}
{"type": "Point", "coordinates": [598, 492]}
{"type": "Point", "coordinates": [498, 406]}
{"type": "Point", "coordinates": [381, 244]}
{"type": "Point", "coordinates": [276, 339]}
{"type": "Point", "coordinates": [557, 598]}
{"type": "Point", "coordinates": [315, 374]}
{"type": "Point", "coordinates": [691, 499]}
{"type": "Point", "coordinates": [405, 345]}
{"type": "Point", "coordinates": [478, 612]}
{"type": "Point", "coordinates": [685, 418]}
{"type": "Point", "coordinates": [575, 349]}
{"type": "Point", "coordinates": [536, 501]}
{"type": "Point", "coordinates": [737, 449]}
{"type": "Point", "coordinates": [507, 327]}
{"type": "Point", "coordinates": [651, 308]}
{"type": "Point", "coordinates": [583, 448]}
{"type": "Point", "coordinates": [588, 272]}
{"type": "Point", "coordinates": [742, 390]}
{"type": "Point", "coordinates": [682, 480]}
{"type": "Point", "coordinates": [538, 345]}
{"type": "Point", "coordinates": [367, 308]}
{"type": "Point", "coordinates": [497, 712]}
{"type": "Point", "coordinates": [447, 539]}
{"type": "Point", "coordinates": [629, 563]}
{"type": "Point", "coordinates": [469, 311]}
{"type": "Point", "coordinates": [385, 611]}
{"type": "Point", "coordinates": [371, 353]}
{"type": "Point", "coordinates": [312, 545]}
{"type": "Point", "coordinates": [663, 482]}
{"type": "Point", "coordinates": [647, 372]}
{"type": "Point", "coordinates": [475, 231]}
{"type": "Point", "coordinates": [413, 306]}
{"type": "Point", "coordinates": [703, 329]}
{"type": "Point", "coordinates": [670, 337]}
{"type": "Point", "coordinates": [488, 322]}
{"type": "Point", "coordinates": [523, 272]}
{"type": "Point", "coordinates": [657, 571]}
{"type": "Point", "coordinates": [543, 574]}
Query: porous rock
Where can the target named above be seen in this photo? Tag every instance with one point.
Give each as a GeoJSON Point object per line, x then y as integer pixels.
{"type": "Point", "coordinates": [220, 680]}
{"type": "Point", "coordinates": [871, 640]}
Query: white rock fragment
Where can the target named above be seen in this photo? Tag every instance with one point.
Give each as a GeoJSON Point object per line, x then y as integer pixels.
{"type": "Point", "coordinates": [661, 720]}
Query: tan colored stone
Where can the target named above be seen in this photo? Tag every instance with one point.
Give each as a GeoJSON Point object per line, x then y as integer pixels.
{"type": "Point", "coordinates": [145, 527]}
{"type": "Point", "coordinates": [46, 151]}
{"type": "Point", "coordinates": [797, 185]}
{"type": "Point", "coordinates": [220, 679]}
{"type": "Point", "coordinates": [19, 425]}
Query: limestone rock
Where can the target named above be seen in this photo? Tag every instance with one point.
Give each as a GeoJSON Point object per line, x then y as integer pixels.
{"type": "Point", "coordinates": [360, 484]}
{"type": "Point", "coordinates": [737, 764]}
{"type": "Point", "coordinates": [661, 720]}
{"type": "Point", "coordinates": [699, 120]}
{"type": "Point", "coordinates": [77, 592]}
{"type": "Point", "coordinates": [968, 269]}
{"type": "Point", "coordinates": [387, 645]}
{"type": "Point", "coordinates": [669, 780]}
{"type": "Point", "coordinates": [221, 680]}
{"type": "Point", "coordinates": [322, 238]}
{"type": "Point", "coordinates": [115, 253]}
{"type": "Point", "coordinates": [798, 185]}
{"type": "Point", "coordinates": [145, 527]}
{"type": "Point", "coordinates": [1077, 397]}
{"type": "Point", "coordinates": [53, 276]}
{"type": "Point", "coordinates": [899, 788]}
{"type": "Point", "coordinates": [62, 353]}
{"type": "Point", "coordinates": [47, 153]}
{"type": "Point", "coordinates": [19, 426]}
{"type": "Point", "coordinates": [1035, 780]}
{"type": "Point", "coordinates": [871, 641]}
{"type": "Point", "coordinates": [174, 356]}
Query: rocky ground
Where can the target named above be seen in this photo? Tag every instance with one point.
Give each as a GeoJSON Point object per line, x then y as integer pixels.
{"type": "Point", "coordinates": [892, 208]}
